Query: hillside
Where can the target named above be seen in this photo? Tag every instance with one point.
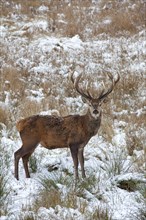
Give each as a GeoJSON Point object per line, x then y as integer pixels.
{"type": "Point", "coordinates": [41, 41]}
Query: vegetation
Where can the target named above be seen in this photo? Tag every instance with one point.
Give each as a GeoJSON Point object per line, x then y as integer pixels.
{"type": "Point", "coordinates": [111, 38]}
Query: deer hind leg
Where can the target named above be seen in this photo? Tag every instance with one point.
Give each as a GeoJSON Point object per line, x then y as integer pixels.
{"type": "Point", "coordinates": [81, 160]}
{"type": "Point", "coordinates": [24, 152]}
{"type": "Point", "coordinates": [74, 153]}
{"type": "Point", "coordinates": [25, 164]}
{"type": "Point", "coordinates": [17, 156]}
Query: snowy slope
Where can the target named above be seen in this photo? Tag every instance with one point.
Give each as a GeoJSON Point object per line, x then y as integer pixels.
{"type": "Point", "coordinates": [35, 71]}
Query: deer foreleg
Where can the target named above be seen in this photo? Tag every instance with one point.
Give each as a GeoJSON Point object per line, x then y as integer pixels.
{"type": "Point", "coordinates": [81, 160]}
{"type": "Point", "coordinates": [74, 153]}
{"type": "Point", "coordinates": [25, 164]}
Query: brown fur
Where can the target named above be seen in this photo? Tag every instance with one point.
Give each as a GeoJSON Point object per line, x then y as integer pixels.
{"type": "Point", "coordinates": [53, 132]}
{"type": "Point", "coordinates": [58, 132]}
{"type": "Point", "coordinates": [20, 125]}
{"type": "Point", "coordinates": [73, 131]}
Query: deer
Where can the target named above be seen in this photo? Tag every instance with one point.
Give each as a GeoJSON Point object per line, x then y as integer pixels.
{"type": "Point", "coordinates": [71, 131]}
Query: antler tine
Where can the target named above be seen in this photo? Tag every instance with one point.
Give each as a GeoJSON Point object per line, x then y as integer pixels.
{"type": "Point", "coordinates": [89, 94]}
{"type": "Point", "coordinates": [118, 78]}
{"type": "Point", "coordinates": [114, 81]}
{"type": "Point", "coordinates": [71, 77]}
{"type": "Point", "coordinates": [101, 93]}
{"type": "Point", "coordinates": [76, 85]}
{"type": "Point", "coordinates": [87, 90]}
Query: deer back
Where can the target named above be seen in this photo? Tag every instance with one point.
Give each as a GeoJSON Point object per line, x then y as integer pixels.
{"type": "Point", "coordinates": [58, 132]}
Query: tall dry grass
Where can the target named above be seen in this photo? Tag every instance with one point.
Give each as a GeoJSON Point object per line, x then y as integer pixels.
{"type": "Point", "coordinates": [83, 18]}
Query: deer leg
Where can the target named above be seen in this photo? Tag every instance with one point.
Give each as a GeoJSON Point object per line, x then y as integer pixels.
{"type": "Point", "coordinates": [24, 152]}
{"type": "Point", "coordinates": [81, 160]}
{"type": "Point", "coordinates": [25, 164]}
{"type": "Point", "coordinates": [74, 153]}
{"type": "Point", "coordinates": [17, 156]}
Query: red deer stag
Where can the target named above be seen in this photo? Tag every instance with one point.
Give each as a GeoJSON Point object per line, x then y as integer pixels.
{"type": "Point", "coordinates": [72, 131]}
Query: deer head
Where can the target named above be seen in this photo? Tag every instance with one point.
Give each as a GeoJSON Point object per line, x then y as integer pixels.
{"type": "Point", "coordinates": [94, 103]}
{"type": "Point", "coordinates": [73, 131]}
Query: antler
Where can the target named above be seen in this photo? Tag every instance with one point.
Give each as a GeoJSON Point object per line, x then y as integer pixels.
{"type": "Point", "coordinates": [104, 93]}
{"type": "Point", "coordinates": [86, 95]}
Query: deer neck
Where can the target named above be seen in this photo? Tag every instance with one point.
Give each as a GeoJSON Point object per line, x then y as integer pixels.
{"type": "Point", "coordinates": [93, 123]}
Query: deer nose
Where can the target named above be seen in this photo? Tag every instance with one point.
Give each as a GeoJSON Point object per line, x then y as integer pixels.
{"type": "Point", "coordinates": [95, 112]}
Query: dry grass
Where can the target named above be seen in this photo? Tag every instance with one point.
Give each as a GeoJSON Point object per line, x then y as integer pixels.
{"type": "Point", "coordinates": [29, 108]}
{"type": "Point", "coordinates": [20, 102]}
{"type": "Point", "coordinates": [15, 83]}
{"type": "Point", "coordinates": [12, 93]}
{"type": "Point", "coordinates": [80, 16]}
{"type": "Point", "coordinates": [106, 129]}
{"type": "Point", "coordinates": [101, 214]}
{"type": "Point", "coordinates": [123, 105]}
{"type": "Point", "coordinates": [51, 195]}
{"type": "Point", "coordinates": [4, 116]}
{"type": "Point", "coordinates": [48, 199]}
{"type": "Point", "coordinates": [126, 94]}
{"type": "Point", "coordinates": [122, 16]}
{"type": "Point", "coordinates": [12, 81]}
{"type": "Point", "coordinates": [65, 20]}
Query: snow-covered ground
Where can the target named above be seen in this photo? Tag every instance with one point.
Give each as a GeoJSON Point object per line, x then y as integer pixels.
{"type": "Point", "coordinates": [107, 163]}
{"type": "Point", "coordinates": [35, 70]}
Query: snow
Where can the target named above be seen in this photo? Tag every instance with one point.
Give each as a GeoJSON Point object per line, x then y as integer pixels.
{"type": "Point", "coordinates": [59, 213]}
{"type": "Point", "coordinates": [44, 57]}
{"type": "Point", "coordinates": [120, 203]}
{"type": "Point", "coordinates": [43, 8]}
{"type": "Point", "coordinates": [73, 43]}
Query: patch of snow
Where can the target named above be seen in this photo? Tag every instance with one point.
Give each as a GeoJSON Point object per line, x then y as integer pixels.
{"type": "Point", "coordinates": [43, 8]}
{"type": "Point", "coordinates": [3, 30]}
{"type": "Point", "coordinates": [36, 95]}
{"type": "Point", "coordinates": [107, 21]}
{"type": "Point", "coordinates": [73, 43]}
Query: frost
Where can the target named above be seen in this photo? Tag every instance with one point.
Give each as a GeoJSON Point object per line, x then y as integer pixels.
{"type": "Point", "coordinates": [131, 176]}
{"type": "Point", "coordinates": [3, 31]}
{"type": "Point", "coordinates": [36, 95]}
{"type": "Point", "coordinates": [58, 213]}
{"type": "Point", "coordinates": [73, 43]}
{"type": "Point", "coordinates": [107, 21]}
{"type": "Point", "coordinates": [41, 25]}
{"type": "Point", "coordinates": [43, 8]}
{"type": "Point", "coordinates": [33, 48]}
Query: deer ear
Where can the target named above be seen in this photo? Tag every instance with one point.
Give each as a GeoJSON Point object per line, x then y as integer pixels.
{"type": "Point", "coordinates": [105, 100]}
